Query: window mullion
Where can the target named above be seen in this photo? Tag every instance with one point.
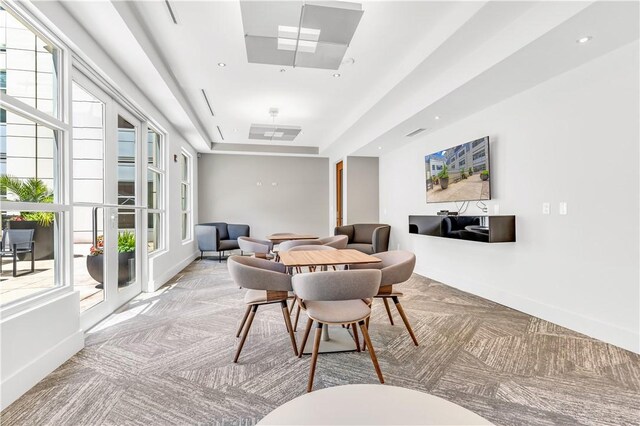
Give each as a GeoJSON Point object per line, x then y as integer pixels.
{"type": "Point", "coordinates": [18, 107]}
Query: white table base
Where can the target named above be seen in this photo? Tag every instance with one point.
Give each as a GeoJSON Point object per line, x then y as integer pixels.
{"type": "Point", "coordinates": [337, 340]}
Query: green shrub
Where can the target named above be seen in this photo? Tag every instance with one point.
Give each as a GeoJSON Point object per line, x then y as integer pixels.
{"type": "Point", "coordinates": [444, 173]}
{"type": "Point", "coordinates": [31, 190]}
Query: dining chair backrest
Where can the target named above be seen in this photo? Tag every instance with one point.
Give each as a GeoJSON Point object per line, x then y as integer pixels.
{"type": "Point", "coordinates": [21, 238]}
{"type": "Point", "coordinates": [258, 274]}
{"type": "Point", "coordinates": [286, 245]}
{"type": "Point", "coordinates": [336, 241]}
{"type": "Point", "coordinates": [311, 248]}
{"type": "Point", "coordinates": [337, 285]}
{"type": "Point", "coordinates": [254, 245]}
{"type": "Point", "coordinates": [396, 266]}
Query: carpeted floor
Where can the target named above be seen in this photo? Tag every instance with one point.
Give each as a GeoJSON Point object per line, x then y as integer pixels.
{"type": "Point", "coordinates": [165, 358]}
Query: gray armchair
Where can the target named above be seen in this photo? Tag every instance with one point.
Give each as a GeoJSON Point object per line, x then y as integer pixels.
{"type": "Point", "coordinates": [220, 237]}
{"type": "Point", "coordinates": [368, 238]}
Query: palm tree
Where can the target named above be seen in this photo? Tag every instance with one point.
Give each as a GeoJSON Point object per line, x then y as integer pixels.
{"type": "Point", "coordinates": [31, 190]}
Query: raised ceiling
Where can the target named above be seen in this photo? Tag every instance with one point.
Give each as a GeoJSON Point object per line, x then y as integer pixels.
{"type": "Point", "coordinates": [388, 40]}
{"type": "Point", "coordinates": [406, 63]}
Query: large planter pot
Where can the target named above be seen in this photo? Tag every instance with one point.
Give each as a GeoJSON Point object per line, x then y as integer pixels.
{"type": "Point", "coordinates": [43, 238]}
{"type": "Point", "coordinates": [95, 267]}
{"type": "Point", "coordinates": [444, 183]}
{"type": "Point", "coordinates": [484, 177]}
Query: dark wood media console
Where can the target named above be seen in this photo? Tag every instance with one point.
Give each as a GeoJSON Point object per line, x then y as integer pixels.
{"type": "Point", "coordinates": [485, 229]}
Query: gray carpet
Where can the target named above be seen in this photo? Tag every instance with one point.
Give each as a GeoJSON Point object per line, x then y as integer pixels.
{"type": "Point", "coordinates": [166, 359]}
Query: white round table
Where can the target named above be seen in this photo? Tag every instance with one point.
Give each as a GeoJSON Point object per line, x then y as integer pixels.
{"type": "Point", "coordinates": [371, 405]}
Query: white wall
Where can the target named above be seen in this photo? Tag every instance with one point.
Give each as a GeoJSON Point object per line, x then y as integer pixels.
{"type": "Point", "coordinates": [574, 138]}
{"type": "Point", "coordinates": [228, 192]}
{"type": "Point", "coordinates": [361, 190]}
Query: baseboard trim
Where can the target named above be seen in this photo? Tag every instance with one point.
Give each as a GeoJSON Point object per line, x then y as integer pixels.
{"type": "Point", "coordinates": [609, 333]}
{"type": "Point", "coordinates": [20, 382]}
{"type": "Point", "coordinates": [173, 271]}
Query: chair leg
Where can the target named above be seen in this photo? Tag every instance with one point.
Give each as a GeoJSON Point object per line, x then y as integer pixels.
{"type": "Point", "coordinates": [244, 320]}
{"type": "Point", "coordinates": [355, 337]}
{"type": "Point", "coordinates": [405, 319]}
{"type": "Point", "coordinates": [314, 356]}
{"type": "Point", "coordinates": [307, 330]}
{"type": "Point", "coordinates": [364, 344]}
{"type": "Point", "coordinates": [386, 306]}
{"type": "Point", "coordinates": [372, 353]}
{"type": "Point", "coordinates": [201, 255]}
{"type": "Point", "coordinates": [252, 314]}
{"type": "Point", "coordinates": [293, 304]}
{"type": "Point", "coordinates": [287, 321]}
{"type": "Point", "coordinates": [295, 322]}
{"type": "Point", "coordinates": [33, 259]}
{"type": "Point", "coordinates": [15, 263]}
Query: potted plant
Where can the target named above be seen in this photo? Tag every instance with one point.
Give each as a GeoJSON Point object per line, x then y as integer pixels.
{"type": "Point", "coordinates": [126, 256]}
{"type": "Point", "coordinates": [484, 175]}
{"type": "Point", "coordinates": [443, 177]}
{"type": "Point", "coordinates": [31, 191]}
{"type": "Point", "coordinates": [463, 174]}
{"type": "Point", "coordinates": [470, 171]}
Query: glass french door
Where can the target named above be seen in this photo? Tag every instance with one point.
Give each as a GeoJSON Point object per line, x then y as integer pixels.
{"type": "Point", "coordinates": [108, 206]}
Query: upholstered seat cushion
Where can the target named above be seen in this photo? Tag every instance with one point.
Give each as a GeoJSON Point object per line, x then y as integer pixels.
{"type": "Point", "coordinates": [364, 248]}
{"type": "Point", "coordinates": [338, 312]}
{"type": "Point", "coordinates": [255, 296]}
{"type": "Point", "coordinates": [228, 245]}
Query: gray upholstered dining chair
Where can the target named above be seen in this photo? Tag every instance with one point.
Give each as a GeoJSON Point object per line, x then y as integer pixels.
{"type": "Point", "coordinates": [259, 248]}
{"type": "Point", "coordinates": [287, 245]}
{"type": "Point", "coordinates": [396, 267]}
{"type": "Point", "coordinates": [311, 269]}
{"type": "Point", "coordinates": [336, 298]}
{"type": "Point", "coordinates": [266, 283]}
{"type": "Point", "coordinates": [336, 241]}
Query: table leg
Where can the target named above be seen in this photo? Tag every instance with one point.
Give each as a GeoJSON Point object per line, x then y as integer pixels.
{"type": "Point", "coordinates": [325, 334]}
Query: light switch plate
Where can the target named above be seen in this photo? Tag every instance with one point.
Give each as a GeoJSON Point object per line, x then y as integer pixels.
{"type": "Point", "coordinates": [546, 208]}
{"type": "Point", "coordinates": [562, 208]}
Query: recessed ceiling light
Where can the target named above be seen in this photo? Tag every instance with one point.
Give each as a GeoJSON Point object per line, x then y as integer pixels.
{"type": "Point", "coordinates": [235, 130]}
{"type": "Point", "coordinates": [584, 40]}
{"type": "Point", "coordinates": [336, 75]}
{"type": "Point", "coordinates": [379, 147]}
{"type": "Point", "coordinates": [222, 64]}
{"type": "Point", "coordinates": [437, 117]}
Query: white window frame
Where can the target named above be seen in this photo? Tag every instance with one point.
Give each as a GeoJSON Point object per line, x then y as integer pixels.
{"type": "Point", "coordinates": [161, 170]}
{"type": "Point", "coordinates": [61, 206]}
{"type": "Point", "coordinates": [188, 210]}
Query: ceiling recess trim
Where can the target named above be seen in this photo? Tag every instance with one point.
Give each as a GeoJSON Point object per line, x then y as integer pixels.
{"type": "Point", "coordinates": [230, 148]}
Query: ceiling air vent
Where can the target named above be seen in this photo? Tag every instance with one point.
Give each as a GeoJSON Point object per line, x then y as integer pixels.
{"type": "Point", "coordinates": [415, 132]}
{"type": "Point", "coordinates": [173, 16]}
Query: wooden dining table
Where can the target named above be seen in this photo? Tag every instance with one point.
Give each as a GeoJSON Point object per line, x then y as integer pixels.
{"type": "Point", "coordinates": [279, 238]}
{"type": "Point", "coordinates": [339, 339]}
{"type": "Point", "coordinates": [325, 258]}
